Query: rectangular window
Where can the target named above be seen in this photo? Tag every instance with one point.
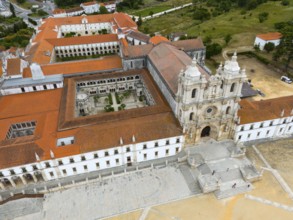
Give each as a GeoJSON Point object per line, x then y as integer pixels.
{"type": "Point", "coordinates": [281, 129]}
{"type": "Point", "coordinates": [177, 149]}
{"type": "Point", "coordinates": [71, 160]}
{"type": "Point", "coordinates": [239, 137]}
{"type": "Point", "coordinates": [268, 131]}
{"type": "Point", "coordinates": [271, 123]}
{"type": "Point", "coordinates": [82, 158]}
{"type": "Point", "coordinates": [96, 156]}
{"type": "Point", "coordinates": [23, 169]}
{"type": "Point", "coordinates": [242, 128]}
{"type": "Point", "coordinates": [261, 125]}
{"type": "Point", "coordinates": [116, 151]}
{"type": "Point", "coordinates": [12, 172]}
{"type": "Point", "coordinates": [156, 144]}
{"type": "Point", "coordinates": [289, 129]}
{"type": "Point", "coordinates": [251, 127]}
{"type": "Point", "coordinates": [106, 153]}
{"type": "Point", "coordinates": [167, 151]}
{"type": "Point", "coordinates": [85, 167]}
{"type": "Point", "coordinates": [35, 167]}
{"type": "Point", "coordinates": [167, 142]}
{"type": "Point", "coordinates": [144, 146]}
{"type": "Point", "coordinates": [1, 174]}
{"type": "Point", "coordinates": [156, 154]}
{"type": "Point", "coordinates": [64, 172]}
{"type": "Point", "coordinates": [97, 165]}
{"type": "Point", "coordinates": [144, 156]}
{"type": "Point", "coordinates": [108, 163]}
{"type": "Point", "coordinates": [74, 169]}
{"type": "Point", "coordinates": [51, 174]}
{"type": "Point", "coordinates": [117, 161]}
{"type": "Point", "coordinates": [258, 133]}
{"type": "Point", "coordinates": [47, 164]}
{"type": "Point", "coordinates": [60, 162]}
{"type": "Point", "coordinates": [177, 140]}
{"type": "Point", "coordinates": [128, 149]}
{"type": "Point", "coordinates": [248, 136]}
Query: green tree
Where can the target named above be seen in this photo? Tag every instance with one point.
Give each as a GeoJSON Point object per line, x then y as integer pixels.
{"type": "Point", "coordinates": [285, 2]}
{"type": "Point", "coordinates": [20, 1]}
{"type": "Point", "coordinates": [228, 38]}
{"type": "Point", "coordinates": [11, 7]}
{"type": "Point", "coordinates": [285, 48]}
{"type": "Point", "coordinates": [269, 47]}
{"type": "Point", "coordinates": [103, 10]}
{"type": "Point", "coordinates": [139, 21]}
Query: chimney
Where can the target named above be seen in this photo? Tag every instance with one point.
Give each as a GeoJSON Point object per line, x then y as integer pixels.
{"type": "Point", "coordinates": [133, 138]}
{"type": "Point", "coordinates": [121, 141]}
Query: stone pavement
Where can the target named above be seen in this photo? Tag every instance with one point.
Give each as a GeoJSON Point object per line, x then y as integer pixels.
{"type": "Point", "coordinates": [112, 192]}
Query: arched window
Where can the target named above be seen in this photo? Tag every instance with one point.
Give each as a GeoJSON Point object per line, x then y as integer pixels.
{"type": "Point", "coordinates": [193, 94]}
{"type": "Point", "coordinates": [228, 110]}
{"type": "Point", "coordinates": [232, 87]}
{"type": "Point", "coordinates": [191, 116]}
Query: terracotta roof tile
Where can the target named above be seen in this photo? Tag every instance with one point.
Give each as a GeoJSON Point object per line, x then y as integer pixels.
{"type": "Point", "coordinates": [189, 44]}
{"type": "Point", "coordinates": [82, 66]}
{"type": "Point", "coordinates": [89, 3]}
{"type": "Point", "coordinates": [255, 111]}
{"type": "Point", "coordinates": [13, 66]}
{"type": "Point", "coordinates": [158, 39]}
{"type": "Point", "coordinates": [270, 36]}
{"type": "Point", "coordinates": [83, 40]}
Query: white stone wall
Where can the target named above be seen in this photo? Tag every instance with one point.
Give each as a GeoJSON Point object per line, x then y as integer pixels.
{"type": "Point", "coordinates": [261, 43]}
{"type": "Point", "coordinates": [32, 88]}
{"type": "Point", "coordinates": [87, 49]}
{"type": "Point", "coordinates": [99, 160]}
{"type": "Point", "coordinates": [276, 128]}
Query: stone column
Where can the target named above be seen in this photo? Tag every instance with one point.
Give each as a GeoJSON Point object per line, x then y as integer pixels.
{"type": "Point", "coordinates": [12, 182]}
{"type": "Point", "coordinates": [2, 186]}
{"type": "Point", "coordinates": [23, 180]}
{"type": "Point", "coordinates": [34, 177]}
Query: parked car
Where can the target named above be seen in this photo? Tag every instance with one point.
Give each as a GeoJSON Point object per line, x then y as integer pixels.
{"type": "Point", "coordinates": [260, 93]}
{"type": "Point", "coordinates": [286, 79]}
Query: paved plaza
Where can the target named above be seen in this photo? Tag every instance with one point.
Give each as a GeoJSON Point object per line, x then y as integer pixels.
{"type": "Point", "coordinates": [197, 170]}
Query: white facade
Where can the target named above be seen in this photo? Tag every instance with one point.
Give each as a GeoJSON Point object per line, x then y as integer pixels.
{"type": "Point", "coordinates": [87, 49]}
{"type": "Point", "coordinates": [92, 8]}
{"type": "Point", "coordinates": [261, 43]}
{"type": "Point", "coordinates": [275, 128]}
{"type": "Point", "coordinates": [91, 161]}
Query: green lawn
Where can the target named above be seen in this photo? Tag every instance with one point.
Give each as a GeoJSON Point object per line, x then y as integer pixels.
{"type": "Point", "coordinates": [243, 28]}
{"type": "Point", "coordinates": [26, 5]}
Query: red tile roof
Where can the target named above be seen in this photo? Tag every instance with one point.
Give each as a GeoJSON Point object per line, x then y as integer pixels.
{"type": "Point", "coordinates": [13, 66]}
{"type": "Point", "coordinates": [83, 40]}
{"type": "Point", "coordinates": [158, 39]}
{"type": "Point", "coordinates": [270, 36]}
{"type": "Point", "coordinates": [256, 111]}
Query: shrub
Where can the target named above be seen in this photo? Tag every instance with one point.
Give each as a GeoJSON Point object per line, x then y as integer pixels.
{"type": "Point", "coordinates": [263, 16]}
{"type": "Point", "coordinates": [110, 99]}
{"type": "Point", "coordinates": [269, 47]}
{"type": "Point", "coordinates": [285, 2]}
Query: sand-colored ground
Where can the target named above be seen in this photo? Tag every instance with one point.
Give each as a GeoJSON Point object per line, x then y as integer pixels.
{"type": "Point", "coordinates": [279, 154]}
{"type": "Point", "coordinates": [263, 77]}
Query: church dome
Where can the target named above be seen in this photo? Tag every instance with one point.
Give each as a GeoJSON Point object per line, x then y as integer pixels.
{"type": "Point", "coordinates": [192, 70]}
{"type": "Point", "coordinates": [232, 66]}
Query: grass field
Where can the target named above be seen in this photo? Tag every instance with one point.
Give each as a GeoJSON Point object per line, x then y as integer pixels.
{"type": "Point", "coordinates": [26, 5]}
{"type": "Point", "coordinates": [242, 27]}
{"type": "Point", "coordinates": [155, 9]}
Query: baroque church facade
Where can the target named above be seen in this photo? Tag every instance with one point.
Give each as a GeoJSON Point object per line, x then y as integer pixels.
{"type": "Point", "coordinates": [207, 105]}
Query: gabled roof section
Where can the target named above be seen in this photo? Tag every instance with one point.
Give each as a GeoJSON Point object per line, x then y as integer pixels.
{"type": "Point", "coordinates": [108, 63]}
{"type": "Point", "coordinates": [137, 51]}
{"type": "Point", "coordinates": [190, 44]}
{"type": "Point", "coordinates": [158, 39]}
{"type": "Point", "coordinates": [169, 61]}
{"type": "Point", "coordinates": [83, 40]}
{"type": "Point", "coordinates": [270, 36]}
{"type": "Point", "coordinates": [256, 111]}
{"type": "Point", "coordinates": [139, 36]}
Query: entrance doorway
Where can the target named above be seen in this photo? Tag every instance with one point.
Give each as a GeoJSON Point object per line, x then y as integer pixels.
{"type": "Point", "coordinates": [206, 131]}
